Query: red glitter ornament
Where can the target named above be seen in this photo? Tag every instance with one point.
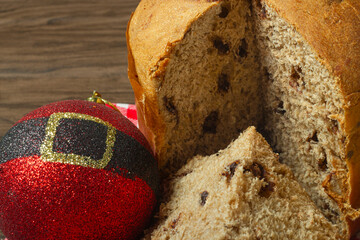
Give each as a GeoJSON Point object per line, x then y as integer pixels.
{"type": "Point", "coordinates": [76, 170]}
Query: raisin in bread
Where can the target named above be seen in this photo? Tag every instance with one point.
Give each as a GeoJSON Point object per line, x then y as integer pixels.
{"type": "Point", "coordinates": [203, 71]}
{"type": "Point", "coordinates": [241, 192]}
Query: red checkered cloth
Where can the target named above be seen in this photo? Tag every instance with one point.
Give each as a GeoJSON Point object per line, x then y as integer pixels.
{"type": "Point", "coordinates": [129, 111]}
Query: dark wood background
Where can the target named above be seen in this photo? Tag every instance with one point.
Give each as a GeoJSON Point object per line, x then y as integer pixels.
{"type": "Point", "coordinates": [52, 50]}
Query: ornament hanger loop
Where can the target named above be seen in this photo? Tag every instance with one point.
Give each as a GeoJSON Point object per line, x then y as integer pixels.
{"type": "Point", "coordinates": [96, 97]}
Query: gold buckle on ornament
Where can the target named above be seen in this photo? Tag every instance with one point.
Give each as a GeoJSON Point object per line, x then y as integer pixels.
{"type": "Point", "coordinates": [47, 154]}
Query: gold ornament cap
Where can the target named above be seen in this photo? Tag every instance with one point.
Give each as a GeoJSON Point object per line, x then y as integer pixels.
{"type": "Point", "coordinates": [96, 97]}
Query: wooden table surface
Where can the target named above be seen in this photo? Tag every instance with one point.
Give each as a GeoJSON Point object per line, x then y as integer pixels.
{"type": "Point", "coordinates": [52, 50]}
{"type": "Point", "coordinates": [61, 49]}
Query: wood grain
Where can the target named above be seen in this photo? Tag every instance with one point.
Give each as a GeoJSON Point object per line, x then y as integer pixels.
{"type": "Point", "coordinates": [57, 50]}
{"type": "Point", "coordinates": [61, 49]}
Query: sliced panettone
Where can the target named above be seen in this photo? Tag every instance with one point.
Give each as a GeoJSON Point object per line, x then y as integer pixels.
{"type": "Point", "coordinates": [203, 71]}
{"type": "Point", "coordinates": [241, 192]}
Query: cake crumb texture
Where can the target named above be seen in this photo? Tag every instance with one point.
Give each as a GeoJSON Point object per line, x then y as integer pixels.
{"type": "Point", "coordinates": [241, 192]}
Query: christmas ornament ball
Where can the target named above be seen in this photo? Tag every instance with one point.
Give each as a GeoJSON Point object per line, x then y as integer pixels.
{"type": "Point", "coordinates": [76, 170]}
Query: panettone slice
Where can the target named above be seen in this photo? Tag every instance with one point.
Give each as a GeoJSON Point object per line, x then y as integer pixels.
{"type": "Point", "coordinates": [241, 192]}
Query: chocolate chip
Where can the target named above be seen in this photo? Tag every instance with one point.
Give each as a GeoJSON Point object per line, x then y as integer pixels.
{"type": "Point", "coordinates": [175, 222]}
{"type": "Point", "coordinates": [280, 108]}
{"type": "Point", "coordinates": [203, 197]}
{"type": "Point", "coordinates": [350, 154]}
{"type": "Point", "coordinates": [223, 83]}
{"type": "Point", "coordinates": [230, 170]}
{"type": "Point", "coordinates": [211, 122]}
{"type": "Point", "coordinates": [295, 73]}
{"type": "Point", "coordinates": [224, 11]}
{"type": "Point", "coordinates": [222, 47]}
{"type": "Point", "coordinates": [243, 47]}
{"type": "Point", "coordinates": [256, 169]}
{"type": "Point", "coordinates": [170, 106]}
{"type": "Point", "coordinates": [295, 77]}
{"type": "Point", "coordinates": [266, 190]}
{"type": "Point", "coordinates": [313, 138]}
{"type": "Point", "coordinates": [322, 163]}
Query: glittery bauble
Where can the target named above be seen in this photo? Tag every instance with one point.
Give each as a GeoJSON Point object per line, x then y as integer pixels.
{"type": "Point", "coordinates": [76, 170]}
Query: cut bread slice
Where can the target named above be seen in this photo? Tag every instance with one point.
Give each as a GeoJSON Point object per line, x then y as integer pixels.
{"type": "Point", "coordinates": [200, 96]}
{"type": "Point", "coordinates": [241, 192]}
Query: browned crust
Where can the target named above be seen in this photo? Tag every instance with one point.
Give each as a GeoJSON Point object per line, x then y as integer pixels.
{"type": "Point", "coordinates": [332, 28]}
{"type": "Point", "coordinates": [352, 150]}
{"type": "Point", "coordinates": [146, 110]}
